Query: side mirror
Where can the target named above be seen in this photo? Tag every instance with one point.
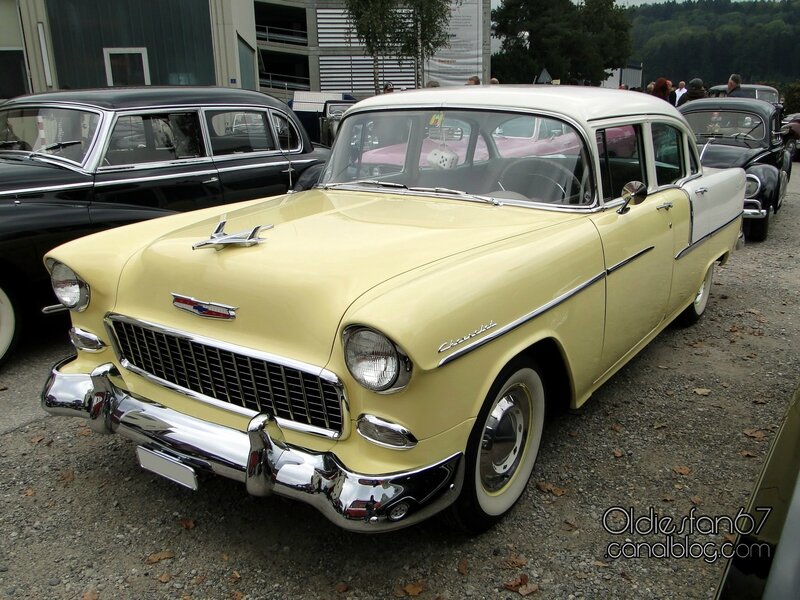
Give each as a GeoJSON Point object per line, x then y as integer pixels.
{"type": "Point", "coordinates": [633, 192]}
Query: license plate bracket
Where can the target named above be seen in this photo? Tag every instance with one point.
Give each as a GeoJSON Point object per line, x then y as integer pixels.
{"type": "Point", "coordinates": [167, 466]}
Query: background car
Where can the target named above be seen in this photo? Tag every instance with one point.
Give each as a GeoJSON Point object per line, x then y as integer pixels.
{"type": "Point", "coordinates": [75, 162]}
{"type": "Point", "coordinates": [740, 132]}
{"type": "Point", "coordinates": [750, 90]}
{"type": "Point", "coordinates": [791, 134]}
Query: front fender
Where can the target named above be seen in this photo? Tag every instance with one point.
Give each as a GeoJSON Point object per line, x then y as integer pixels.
{"type": "Point", "coordinates": [769, 177]}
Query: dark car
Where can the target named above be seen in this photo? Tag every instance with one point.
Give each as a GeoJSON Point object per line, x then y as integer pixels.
{"type": "Point", "coordinates": [791, 134]}
{"type": "Point", "coordinates": [749, 90]}
{"type": "Point", "coordinates": [75, 162]}
{"type": "Point", "coordinates": [765, 559]}
{"type": "Point", "coordinates": [746, 133]}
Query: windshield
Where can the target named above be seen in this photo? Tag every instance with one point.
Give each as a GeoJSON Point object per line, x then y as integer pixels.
{"type": "Point", "coordinates": [63, 132]}
{"type": "Point", "coordinates": [727, 124]}
{"type": "Point", "coordinates": [493, 154]}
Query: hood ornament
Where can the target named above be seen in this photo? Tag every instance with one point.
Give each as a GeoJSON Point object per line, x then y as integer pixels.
{"type": "Point", "coordinates": [209, 310]}
{"type": "Point", "coordinates": [219, 239]}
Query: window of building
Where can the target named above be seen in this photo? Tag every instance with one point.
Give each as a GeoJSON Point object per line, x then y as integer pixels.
{"type": "Point", "coordinates": [126, 66]}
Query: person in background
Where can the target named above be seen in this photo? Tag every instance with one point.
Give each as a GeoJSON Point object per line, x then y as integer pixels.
{"type": "Point", "coordinates": [388, 87]}
{"type": "Point", "coordinates": [432, 83]}
{"type": "Point", "coordinates": [474, 80]}
{"type": "Point", "coordinates": [494, 81]}
{"type": "Point", "coordinates": [661, 89]}
{"type": "Point", "coordinates": [680, 91]}
{"type": "Point", "coordinates": [735, 86]}
{"type": "Point", "coordinates": [695, 91]}
{"type": "Point", "coordinates": [649, 87]}
{"type": "Point", "coordinates": [623, 86]}
{"type": "Point", "coordinates": [671, 98]}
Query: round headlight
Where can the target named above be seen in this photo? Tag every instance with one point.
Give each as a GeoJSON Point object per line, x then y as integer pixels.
{"type": "Point", "coordinates": [752, 186]}
{"type": "Point", "coordinates": [373, 360]}
{"type": "Point", "coordinates": [70, 290]}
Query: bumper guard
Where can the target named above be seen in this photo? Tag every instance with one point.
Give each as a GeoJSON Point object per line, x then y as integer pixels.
{"type": "Point", "coordinates": [177, 446]}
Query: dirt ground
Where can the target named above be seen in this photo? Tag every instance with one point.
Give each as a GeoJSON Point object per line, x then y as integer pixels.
{"type": "Point", "coordinates": [681, 430]}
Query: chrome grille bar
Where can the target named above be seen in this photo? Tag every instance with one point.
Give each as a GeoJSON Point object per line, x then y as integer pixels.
{"type": "Point", "coordinates": [230, 375]}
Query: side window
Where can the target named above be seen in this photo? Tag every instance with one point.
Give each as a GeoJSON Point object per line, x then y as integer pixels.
{"type": "Point", "coordinates": [668, 149]}
{"type": "Point", "coordinates": [288, 137]}
{"type": "Point", "coordinates": [694, 163]}
{"type": "Point", "coordinates": [137, 139]}
{"type": "Point", "coordinates": [237, 131]}
{"type": "Point", "coordinates": [620, 151]}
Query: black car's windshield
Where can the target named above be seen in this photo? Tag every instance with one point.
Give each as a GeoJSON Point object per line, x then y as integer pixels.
{"type": "Point", "coordinates": [64, 132]}
{"type": "Point", "coordinates": [730, 125]}
{"type": "Point", "coordinates": [467, 154]}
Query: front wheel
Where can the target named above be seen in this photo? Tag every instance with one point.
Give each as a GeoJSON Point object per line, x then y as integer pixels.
{"type": "Point", "coordinates": [502, 448]}
{"type": "Point", "coordinates": [9, 322]}
{"type": "Point", "coordinates": [695, 310]}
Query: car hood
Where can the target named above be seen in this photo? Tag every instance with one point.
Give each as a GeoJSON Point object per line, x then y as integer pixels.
{"type": "Point", "coordinates": [18, 173]}
{"type": "Point", "coordinates": [725, 155]}
{"type": "Point", "coordinates": [324, 249]}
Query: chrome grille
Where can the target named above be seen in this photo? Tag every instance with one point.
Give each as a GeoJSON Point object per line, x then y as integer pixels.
{"type": "Point", "coordinates": [288, 393]}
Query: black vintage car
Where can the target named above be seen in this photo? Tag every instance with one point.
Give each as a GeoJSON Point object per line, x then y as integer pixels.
{"type": "Point", "coordinates": [743, 132]}
{"type": "Point", "coordinates": [75, 162]}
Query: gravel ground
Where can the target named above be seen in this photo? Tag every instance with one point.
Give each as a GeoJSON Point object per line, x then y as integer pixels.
{"type": "Point", "coordinates": [684, 427]}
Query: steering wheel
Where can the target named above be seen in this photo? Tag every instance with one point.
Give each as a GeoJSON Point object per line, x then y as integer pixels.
{"type": "Point", "coordinates": [538, 179]}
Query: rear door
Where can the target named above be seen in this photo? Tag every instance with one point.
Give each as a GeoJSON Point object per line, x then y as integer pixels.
{"type": "Point", "coordinates": [253, 150]}
{"type": "Point", "coordinates": [154, 163]}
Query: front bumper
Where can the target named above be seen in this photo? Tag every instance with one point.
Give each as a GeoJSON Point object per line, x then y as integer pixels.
{"type": "Point", "coordinates": [178, 446]}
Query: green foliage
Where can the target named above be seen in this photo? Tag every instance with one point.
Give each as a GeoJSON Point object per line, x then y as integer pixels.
{"type": "Point", "coordinates": [711, 39]}
{"type": "Point", "coordinates": [572, 41]}
{"type": "Point", "coordinates": [415, 28]}
{"type": "Point", "coordinates": [791, 97]}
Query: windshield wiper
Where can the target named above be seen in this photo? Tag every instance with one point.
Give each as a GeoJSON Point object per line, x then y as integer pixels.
{"type": "Point", "coordinates": [462, 193]}
{"type": "Point", "coordinates": [54, 146]}
{"type": "Point", "coordinates": [375, 182]}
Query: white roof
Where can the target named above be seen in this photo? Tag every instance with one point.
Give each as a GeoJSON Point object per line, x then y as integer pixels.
{"type": "Point", "coordinates": [581, 103]}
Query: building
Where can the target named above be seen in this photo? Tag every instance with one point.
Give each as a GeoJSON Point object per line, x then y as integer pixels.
{"type": "Point", "coordinates": [278, 46]}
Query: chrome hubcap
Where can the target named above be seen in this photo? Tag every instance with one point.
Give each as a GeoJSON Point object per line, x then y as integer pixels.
{"type": "Point", "coordinates": [504, 437]}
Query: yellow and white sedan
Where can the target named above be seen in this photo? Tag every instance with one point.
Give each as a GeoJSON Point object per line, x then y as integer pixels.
{"type": "Point", "coordinates": [385, 345]}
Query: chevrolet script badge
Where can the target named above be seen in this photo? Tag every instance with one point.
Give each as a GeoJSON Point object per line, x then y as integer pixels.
{"type": "Point", "coordinates": [208, 310]}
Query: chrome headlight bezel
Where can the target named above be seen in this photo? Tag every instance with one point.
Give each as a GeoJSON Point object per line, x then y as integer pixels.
{"type": "Point", "coordinates": [71, 290]}
{"type": "Point", "coordinates": [752, 186]}
{"type": "Point", "coordinates": [396, 371]}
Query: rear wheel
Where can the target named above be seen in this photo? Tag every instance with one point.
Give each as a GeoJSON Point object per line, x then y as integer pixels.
{"type": "Point", "coordinates": [502, 447]}
{"type": "Point", "coordinates": [695, 310]}
{"type": "Point", "coordinates": [9, 322]}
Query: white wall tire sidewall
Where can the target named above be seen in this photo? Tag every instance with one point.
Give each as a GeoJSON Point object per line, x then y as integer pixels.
{"type": "Point", "coordinates": [701, 303]}
{"type": "Point", "coordinates": [8, 323]}
{"type": "Point", "coordinates": [496, 504]}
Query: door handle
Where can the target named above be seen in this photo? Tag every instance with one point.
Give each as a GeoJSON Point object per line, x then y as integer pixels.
{"type": "Point", "coordinates": [212, 180]}
{"type": "Point", "coordinates": [701, 191]}
{"type": "Point", "coordinates": [665, 206]}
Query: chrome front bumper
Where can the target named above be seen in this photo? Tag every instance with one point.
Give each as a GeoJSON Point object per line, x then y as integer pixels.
{"type": "Point", "coordinates": [178, 446]}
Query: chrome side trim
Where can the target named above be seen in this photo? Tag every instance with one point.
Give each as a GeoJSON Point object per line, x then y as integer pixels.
{"type": "Point", "coordinates": [691, 247]}
{"type": "Point", "coordinates": [46, 188]}
{"type": "Point", "coordinates": [628, 260]}
{"type": "Point", "coordinates": [86, 341]}
{"type": "Point", "coordinates": [521, 321]}
{"type": "Point", "coordinates": [260, 165]}
{"type": "Point", "coordinates": [193, 174]}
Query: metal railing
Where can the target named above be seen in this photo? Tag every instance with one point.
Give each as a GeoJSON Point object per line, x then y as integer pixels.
{"type": "Point", "coordinates": [267, 33]}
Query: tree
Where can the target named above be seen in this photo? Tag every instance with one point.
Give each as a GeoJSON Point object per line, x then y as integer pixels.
{"type": "Point", "coordinates": [571, 41]}
{"type": "Point", "coordinates": [412, 28]}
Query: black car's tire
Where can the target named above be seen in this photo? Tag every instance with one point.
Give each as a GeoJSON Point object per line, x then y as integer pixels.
{"type": "Point", "coordinates": [10, 321]}
{"type": "Point", "coordinates": [502, 448]}
{"type": "Point", "coordinates": [758, 228]}
{"type": "Point", "coordinates": [695, 310]}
